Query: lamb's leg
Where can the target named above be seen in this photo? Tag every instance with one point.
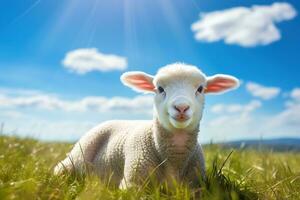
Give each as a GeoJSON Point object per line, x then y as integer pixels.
{"type": "Point", "coordinates": [195, 168]}
{"type": "Point", "coordinates": [75, 161]}
{"type": "Point", "coordinates": [139, 171]}
{"type": "Point", "coordinates": [138, 177]}
{"type": "Point", "coordinates": [81, 157]}
{"type": "Point", "coordinates": [200, 161]}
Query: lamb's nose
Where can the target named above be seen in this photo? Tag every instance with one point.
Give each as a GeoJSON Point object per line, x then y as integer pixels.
{"type": "Point", "coordinates": [182, 108]}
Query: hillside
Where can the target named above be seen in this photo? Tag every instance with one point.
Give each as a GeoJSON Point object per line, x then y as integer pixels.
{"type": "Point", "coordinates": [26, 173]}
{"type": "Point", "coordinates": [278, 144]}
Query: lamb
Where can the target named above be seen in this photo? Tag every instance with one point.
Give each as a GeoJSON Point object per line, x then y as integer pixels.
{"type": "Point", "coordinates": [128, 152]}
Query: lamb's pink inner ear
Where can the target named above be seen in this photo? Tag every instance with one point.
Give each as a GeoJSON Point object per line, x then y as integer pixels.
{"type": "Point", "coordinates": [221, 83]}
{"type": "Point", "coordinates": [139, 81]}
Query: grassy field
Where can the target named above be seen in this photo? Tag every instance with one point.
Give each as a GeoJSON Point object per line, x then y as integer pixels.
{"type": "Point", "coordinates": [26, 173]}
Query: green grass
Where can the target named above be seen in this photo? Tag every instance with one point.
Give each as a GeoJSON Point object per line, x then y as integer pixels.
{"type": "Point", "coordinates": [26, 173]}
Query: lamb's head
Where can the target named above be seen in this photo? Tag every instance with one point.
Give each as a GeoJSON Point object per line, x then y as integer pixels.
{"type": "Point", "coordinates": [179, 93]}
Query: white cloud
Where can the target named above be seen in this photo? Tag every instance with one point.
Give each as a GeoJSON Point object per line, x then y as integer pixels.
{"type": "Point", "coordinates": [237, 121]}
{"type": "Point", "coordinates": [11, 114]}
{"type": "Point", "coordinates": [50, 117]}
{"type": "Point", "coordinates": [236, 108]}
{"type": "Point", "coordinates": [243, 26]}
{"type": "Point", "coordinates": [233, 121]}
{"type": "Point", "coordinates": [82, 61]}
{"type": "Point", "coordinates": [231, 115]}
{"type": "Point", "coordinates": [138, 104]}
{"type": "Point", "coordinates": [53, 118]}
{"type": "Point", "coordinates": [290, 116]}
{"type": "Point", "coordinates": [261, 91]}
{"type": "Point", "coordinates": [45, 129]}
{"type": "Point", "coordinates": [295, 94]}
{"type": "Point", "coordinates": [218, 108]}
{"type": "Point", "coordinates": [18, 91]}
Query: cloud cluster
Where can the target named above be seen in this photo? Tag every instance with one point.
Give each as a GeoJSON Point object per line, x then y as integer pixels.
{"type": "Point", "coordinates": [229, 121]}
{"type": "Point", "coordinates": [290, 116]}
{"type": "Point", "coordinates": [261, 91]}
{"type": "Point", "coordinates": [232, 121]}
{"type": "Point", "coordinates": [243, 26]}
{"type": "Point", "coordinates": [295, 94]}
{"type": "Point", "coordinates": [239, 120]}
{"type": "Point", "coordinates": [45, 129]}
{"type": "Point", "coordinates": [82, 61]}
{"type": "Point", "coordinates": [11, 114]}
{"type": "Point", "coordinates": [47, 116]}
{"type": "Point", "coordinates": [139, 104]}
{"type": "Point", "coordinates": [236, 108]}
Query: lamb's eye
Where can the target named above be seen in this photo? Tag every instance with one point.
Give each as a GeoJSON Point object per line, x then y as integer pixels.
{"type": "Point", "coordinates": [200, 89]}
{"type": "Point", "coordinates": [160, 89]}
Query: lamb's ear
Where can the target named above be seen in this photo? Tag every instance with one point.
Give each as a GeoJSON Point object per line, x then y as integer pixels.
{"type": "Point", "coordinates": [138, 81]}
{"type": "Point", "coordinates": [220, 83]}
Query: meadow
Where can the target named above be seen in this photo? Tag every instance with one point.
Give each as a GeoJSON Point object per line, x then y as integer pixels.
{"type": "Point", "coordinates": [26, 173]}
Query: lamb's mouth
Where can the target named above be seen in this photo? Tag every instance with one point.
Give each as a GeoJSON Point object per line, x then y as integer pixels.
{"type": "Point", "coordinates": [180, 118]}
{"type": "Point", "coordinates": [180, 122]}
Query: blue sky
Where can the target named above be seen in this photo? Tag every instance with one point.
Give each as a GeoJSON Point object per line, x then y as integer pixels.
{"type": "Point", "coordinates": [46, 91]}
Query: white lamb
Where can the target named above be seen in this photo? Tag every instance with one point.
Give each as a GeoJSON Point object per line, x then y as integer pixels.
{"type": "Point", "coordinates": [128, 152]}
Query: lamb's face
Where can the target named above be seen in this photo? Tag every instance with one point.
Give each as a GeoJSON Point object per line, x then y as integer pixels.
{"type": "Point", "coordinates": [179, 93]}
{"type": "Point", "coordinates": [179, 97]}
